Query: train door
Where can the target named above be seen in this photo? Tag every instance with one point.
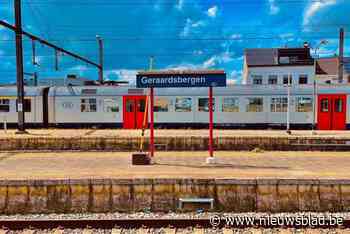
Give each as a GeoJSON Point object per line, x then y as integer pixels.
{"type": "Point", "coordinates": [133, 111]}
{"type": "Point", "coordinates": [339, 112]}
{"type": "Point", "coordinates": [45, 108]}
{"type": "Point", "coordinates": [331, 112]}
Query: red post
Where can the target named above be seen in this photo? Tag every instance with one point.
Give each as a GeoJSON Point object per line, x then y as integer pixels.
{"type": "Point", "coordinates": [152, 122]}
{"type": "Point", "coordinates": [211, 151]}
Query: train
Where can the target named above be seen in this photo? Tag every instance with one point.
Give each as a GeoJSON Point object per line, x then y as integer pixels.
{"type": "Point", "coordinates": [325, 107]}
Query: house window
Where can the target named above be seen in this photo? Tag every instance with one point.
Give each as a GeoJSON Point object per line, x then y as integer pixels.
{"type": "Point", "coordinates": [304, 104]}
{"type": "Point", "coordinates": [303, 79]}
{"type": "Point", "coordinates": [284, 60]}
{"type": "Point", "coordinates": [279, 104]}
{"type": "Point", "coordinates": [203, 104]}
{"type": "Point", "coordinates": [88, 105]}
{"type": "Point", "coordinates": [230, 105]}
{"type": "Point", "coordinates": [27, 105]}
{"type": "Point", "coordinates": [183, 104]}
{"type": "Point", "coordinates": [111, 105]}
{"type": "Point", "coordinates": [255, 105]}
{"type": "Point", "coordinates": [161, 105]}
{"type": "Point", "coordinates": [285, 79]}
{"type": "Point", "coordinates": [257, 80]}
{"type": "Point", "coordinates": [4, 105]}
{"type": "Point", "coordinates": [273, 79]}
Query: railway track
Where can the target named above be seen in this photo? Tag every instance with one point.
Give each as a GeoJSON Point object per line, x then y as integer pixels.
{"type": "Point", "coordinates": [122, 224]}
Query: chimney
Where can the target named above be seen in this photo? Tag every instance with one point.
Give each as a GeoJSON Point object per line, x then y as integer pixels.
{"type": "Point", "coordinates": [341, 56]}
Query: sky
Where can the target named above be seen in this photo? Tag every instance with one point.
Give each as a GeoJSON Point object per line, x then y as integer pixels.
{"type": "Point", "coordinates": [179, 34]}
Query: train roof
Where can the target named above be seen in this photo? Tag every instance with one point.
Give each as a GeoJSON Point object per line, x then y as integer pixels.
{"type": "Point", "coordinates": [28, 91]}
{"type": "Point", "coordinates": [230, 90]}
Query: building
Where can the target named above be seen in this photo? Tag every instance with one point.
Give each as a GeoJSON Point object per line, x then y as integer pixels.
{"type": "Point", "coordinates": [327, 70]}
{"type": "Point", "coordinates": [274, 66]}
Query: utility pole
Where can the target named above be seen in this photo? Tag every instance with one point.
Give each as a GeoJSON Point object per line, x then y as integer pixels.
{"type": "Point", "coordinates": [100, 70]}
{"type": "Point", "coordinates": [19, 63]}
{"type": "Point", "coordinates": [341, 56]}
{"type": "Point", "coordinates": [288, 104]}
{"type": "Point", "coordinates": [152, 111]}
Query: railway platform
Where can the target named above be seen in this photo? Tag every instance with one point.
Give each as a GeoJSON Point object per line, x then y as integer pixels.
{"type": "Point", "coordinates": [174, 140]}
{"type": "Point", "coordinates": [90, 133]}
{"type": "Point", "coordinates": [239, 165]}
{"type": "Point", "coordinates": [78, 182]}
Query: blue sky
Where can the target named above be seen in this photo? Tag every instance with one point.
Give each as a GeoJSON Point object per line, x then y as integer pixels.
{"type": "Point", "coordinates": [178, 33]}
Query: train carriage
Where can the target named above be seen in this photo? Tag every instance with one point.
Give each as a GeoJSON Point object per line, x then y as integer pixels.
{"type": "Point", "coordinates": [35, 106]}
{"type": "Point", "coordinates": [238, 106]}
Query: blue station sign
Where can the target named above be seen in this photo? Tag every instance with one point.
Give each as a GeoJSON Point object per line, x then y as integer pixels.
{"type": "Point", "coordinates": [173, 79]}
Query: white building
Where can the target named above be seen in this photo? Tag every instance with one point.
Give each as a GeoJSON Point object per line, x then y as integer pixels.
{"type": "Point", "coordinates": [274, 66]}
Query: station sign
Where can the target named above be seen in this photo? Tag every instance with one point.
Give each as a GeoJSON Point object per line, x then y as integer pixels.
{"type": "Point", "coordinates": [180, 79]}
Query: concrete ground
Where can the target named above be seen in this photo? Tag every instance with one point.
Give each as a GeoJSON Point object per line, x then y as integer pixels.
{"type": "Point", "coordinates": [168, 132]}
{"type": "Point", "coordinates": [80, 165]}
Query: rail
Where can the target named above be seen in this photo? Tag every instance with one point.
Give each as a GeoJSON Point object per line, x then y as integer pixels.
{"type": "Point", "coordinates": [122, 224]}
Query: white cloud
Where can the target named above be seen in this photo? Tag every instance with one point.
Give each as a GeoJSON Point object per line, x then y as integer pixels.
{"type": "Point", "coordinates": [218, 59]}
{"type": "Point", "coordinates": [80, 69]}
{"type": "Point", "coordinates": [210, 62]}
{"type": "Point", "coordinates": [183, 66]}
{"type": "Point", "coordinates": [236, 74]}
{"type": "Point", "coordinates": [314, 7]}
{"type": "Point", "coordinates": [212, 12]}
{"type": "Point", "coordinates": [180, 4]}
{"type": "Point", "coordinates": [191, 25]}
{"type": "Point", "coordinates": [274, 9]}
{"type": "Point", "coordinates": [122, 75]}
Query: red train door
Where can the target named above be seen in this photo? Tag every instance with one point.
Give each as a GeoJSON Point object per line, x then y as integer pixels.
{"type": "Point", "coordinates": [331, 112]}
{"type": "Point", "coordinates": [133, 111]}
{"type": "Point", "coordinates": [339, 112]}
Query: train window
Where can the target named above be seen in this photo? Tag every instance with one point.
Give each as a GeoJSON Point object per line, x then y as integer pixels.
{"type": "Point", "coordinates": [183, 104]}
{"type": "Point", "coordinates": [161, 105]}
{"type": "Point", "coordinates": [27, 105]}
{"type": "Point", "coordinates": [338, 105]}
{"type": "Point", "coordinates": [303, 79]}
{"type": "Point", "coordinates": [4, 105]}
{"type": "Point", "coordinates": [230, 105]}
{"type": "Point", "coordinates": [88, 105]}
{"type": "Point", "coordinates": [273, 79]}
{"type": "Point", "coordinates": [111, 105]}
{"type": "Point", "coordinates": [67, 105]}
{"type": "Point", "coordinates": [304, 104]}
{"type": "Point", "coordinates": [324, 105]}
{"type": "Point", "coordinates": [142, 105]}
{"type": "Point", "coordinates": [285, 79]}
{"type": "Point", "coordinates": [255, 105]}
{"type": "Point", "coordinates": [257, 79]}
{"type": "Point", "coordinates": [279, 104]}
{"type": "Point", "coordinates": [203, 104]}
{"type": "Point", "coordinates": [130, 105]}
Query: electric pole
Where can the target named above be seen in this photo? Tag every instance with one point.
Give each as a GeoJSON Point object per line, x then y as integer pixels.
{"type": "Point", "coordinates": [19, 64]}
{"type": "Point", "coordinates": [341, 55]}
{"type": "Point", "coordinates": [100, 70]}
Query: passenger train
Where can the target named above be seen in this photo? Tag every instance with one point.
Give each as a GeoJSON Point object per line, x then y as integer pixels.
{"type": "Point", "coordinates": [237, 106]}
